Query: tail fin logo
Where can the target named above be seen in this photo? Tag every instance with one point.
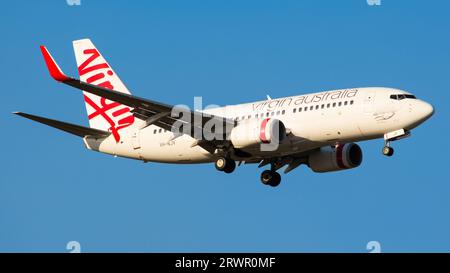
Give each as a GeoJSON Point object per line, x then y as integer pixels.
{"type": "Point", "coordinates": [115, 114]}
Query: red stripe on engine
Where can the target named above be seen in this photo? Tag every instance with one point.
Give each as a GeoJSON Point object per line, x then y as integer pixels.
{"type": "Point", "coordinates": [262, 132]}
{"type": "Point", "coordinates": [340, 156]}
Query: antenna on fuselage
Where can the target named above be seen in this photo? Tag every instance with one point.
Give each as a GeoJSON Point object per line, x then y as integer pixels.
{"type": "Point", "coordinates": [268, 97]}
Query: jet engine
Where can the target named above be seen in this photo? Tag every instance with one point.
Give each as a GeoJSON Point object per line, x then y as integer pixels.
{"type": "Point", "coordinates": [253, 132]}
{"type": "Point", "coordinates": [336, 158]}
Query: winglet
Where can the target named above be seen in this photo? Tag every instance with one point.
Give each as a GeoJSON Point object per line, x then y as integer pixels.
{"type": "Point", "coordinates": [53, 67]}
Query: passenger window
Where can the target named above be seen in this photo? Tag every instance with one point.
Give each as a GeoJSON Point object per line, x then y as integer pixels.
{"type": "Point", "coordinates": [283, 112]}
{"type": "Point", "coordinates": [278, 112]}
{"type": "Point", "coordinates": [272, 113]}
{"type": "Point", "coordinates": [294, 110]}
{"type": "Point", "coordinates": [328, 105]}
{"type": "Point", "coordinates": [160, 130]}
{"type": "Point", "coordinates": [249, 116]}
{"type": "Point", "coordinates": [306, 108]}
{"type": "Point", "coordinates": [300, 109]}
{"type": "Point", "coordinates": [334, 104]}
{"type": "Point", "coordinates": [323, 106]}
{"type": "Point", "coordinates": [351, 102]}
{"type": "Point", "coordinates": [154, 131]}
{"type": "Point", "coordinates": [345, 103]}
{"type": "Point", "coordinates": [340, 103]}
{"type": "Point", "coordinates": [311, 108]}
{"type": "Point", "coordinates": [267, 114]}
{"type": "Point", "coordinates": [317, 106]}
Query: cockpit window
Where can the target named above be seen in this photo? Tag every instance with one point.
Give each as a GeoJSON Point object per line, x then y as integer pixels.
{"type": "Point", "coordinates": [402, 96]}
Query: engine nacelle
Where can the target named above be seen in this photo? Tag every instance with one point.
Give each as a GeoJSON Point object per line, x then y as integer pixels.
{"type": "Point", "coordinates": [341, 157]}
{"type": "Point", "coordinates": [253, 132]}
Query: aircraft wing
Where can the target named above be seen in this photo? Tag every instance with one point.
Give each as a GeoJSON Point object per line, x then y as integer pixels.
{"type": "Point", "coordinates": [153, 112]}
{"type": "Point", "coordinates": [74, 129]}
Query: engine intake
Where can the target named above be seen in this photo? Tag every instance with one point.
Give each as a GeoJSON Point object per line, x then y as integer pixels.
{"type": "Point", "coordinates": [336, 158]}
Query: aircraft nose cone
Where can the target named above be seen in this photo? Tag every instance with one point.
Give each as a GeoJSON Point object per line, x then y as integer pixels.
{"type": "Point", "coordinates": [426, 110]}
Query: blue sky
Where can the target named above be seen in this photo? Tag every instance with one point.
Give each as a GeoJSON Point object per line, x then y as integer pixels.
{"type": "Point", "coordinates": [52, 190]}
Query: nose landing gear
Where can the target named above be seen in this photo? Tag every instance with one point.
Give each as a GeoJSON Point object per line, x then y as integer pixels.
{"type": "Point", "coordinates": [392, 136]}
{"type": "Point", "coordinates": [387, 149]}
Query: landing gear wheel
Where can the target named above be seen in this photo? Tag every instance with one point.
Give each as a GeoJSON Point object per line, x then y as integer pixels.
{"type": "Point", "coordinates": [230, 166]}
{"type": "Point", "coordinates": [270, 178]}
{"type": "Point", "coordinates": [276, 180]}
{"type": "Point", "coordinates": [226, 165]}
{"type": "Point", "coordinates": [220, 164]}
{"type": "Point", "coordinates": [266, 177]}
{"type": "Point", "coordinates": [388, 151]}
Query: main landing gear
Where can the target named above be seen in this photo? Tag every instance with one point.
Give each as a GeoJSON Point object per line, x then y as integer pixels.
{"type": "Point", "coordinates": [271, 178]}
{"type": "Point", "coordinates": [226, 165]}
{"type": "Point", "coordinates": [268, 177]}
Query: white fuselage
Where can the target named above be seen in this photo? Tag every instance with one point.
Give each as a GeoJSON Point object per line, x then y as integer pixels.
{"type": "Point", "coordinates": [313, 120]}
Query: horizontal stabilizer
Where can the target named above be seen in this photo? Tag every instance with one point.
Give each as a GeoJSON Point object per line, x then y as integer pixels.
{"type": "Point", "coordinates": [77, 130]}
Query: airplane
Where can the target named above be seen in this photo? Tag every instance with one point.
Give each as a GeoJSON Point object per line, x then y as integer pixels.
{"type": "Point", "coordinates": [319, 130]}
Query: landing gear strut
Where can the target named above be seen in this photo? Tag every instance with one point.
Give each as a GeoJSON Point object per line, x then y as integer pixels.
{"type": "Point", "coordinates": [387, 149]}
{"type": "Point", "coordinates": [271, 178]}
{"type": "Point", "coordinates": [224, 164]}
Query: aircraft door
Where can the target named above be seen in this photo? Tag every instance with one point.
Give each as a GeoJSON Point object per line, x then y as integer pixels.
{"type": "Point", "coordinates": [136, 142]}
